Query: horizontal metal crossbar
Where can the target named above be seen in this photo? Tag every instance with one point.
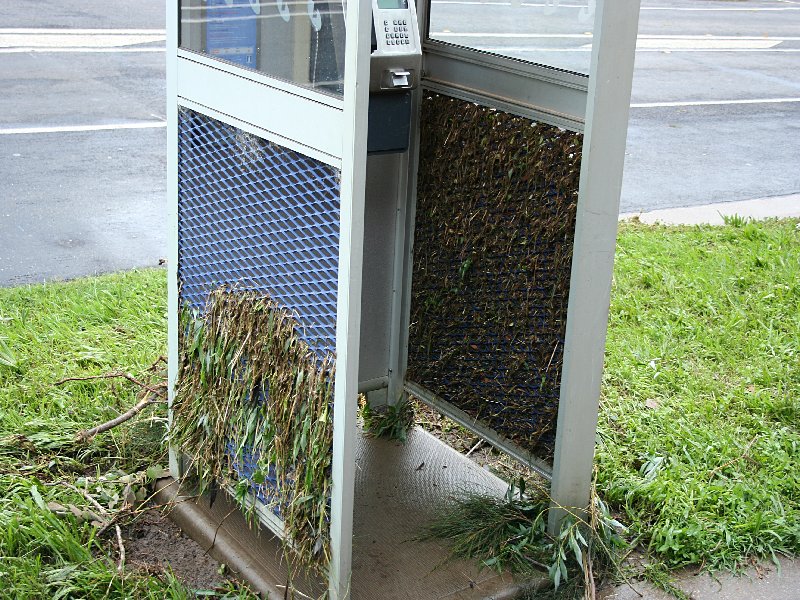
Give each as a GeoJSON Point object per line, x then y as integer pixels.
{"type": "Point", "coordinates": [488, 434]}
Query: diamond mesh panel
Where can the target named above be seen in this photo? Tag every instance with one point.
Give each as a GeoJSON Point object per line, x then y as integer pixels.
{"type": "Point", "coordinates": [496, 200]}
{"type": "Point", "coordinates": [260, 217]}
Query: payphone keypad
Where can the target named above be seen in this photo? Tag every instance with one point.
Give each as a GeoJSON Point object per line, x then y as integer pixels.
{"type": "Point", "coordinates": [396, 32]}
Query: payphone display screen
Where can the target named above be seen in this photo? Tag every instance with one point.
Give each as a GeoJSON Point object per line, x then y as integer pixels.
{"type": "Point", "coordinates": [495, 222]}
{"type": "Point", "coordinates": [393, 4]}
{"type": "Point", "coordinates": [302, 43]}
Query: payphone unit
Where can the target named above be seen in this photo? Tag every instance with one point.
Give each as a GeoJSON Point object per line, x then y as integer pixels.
{"type": "Point", "coordinates": [395, 67]}
{"type": "Point", "coordinates": [396, 53]}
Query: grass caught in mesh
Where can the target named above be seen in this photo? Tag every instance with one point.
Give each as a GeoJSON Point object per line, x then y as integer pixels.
{"type": "Point", "coordinates": [495, 219]}
{"type": "Point", "coordinates": [250, 390]}
{"type": "Point", "coordinates": [699, 446]}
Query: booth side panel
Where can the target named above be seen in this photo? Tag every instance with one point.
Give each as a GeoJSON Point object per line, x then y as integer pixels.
{"type": "Point", "coordinates": [257, 275]}
{"type": "Point", "coordinates": [495, 222]}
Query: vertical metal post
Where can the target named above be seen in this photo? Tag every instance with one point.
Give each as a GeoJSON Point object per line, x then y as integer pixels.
{"type": "Point", "coordinates": [607, 108]}
{"type": "Point", "coordinates": [348, 309]}
{"type": "Point", "coordinates": [396, 371]}
{"type": "Point", "coordinates": [407, 210]}
{"type": "Point", "coordinates": [172, 216]}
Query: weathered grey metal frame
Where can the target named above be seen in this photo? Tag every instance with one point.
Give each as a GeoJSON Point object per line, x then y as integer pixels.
{"type": "Point", "coordinates": [223, 90]}
{"type": "Point", "coordinates": [542, 94]}
{"type": "Point", "coordinates": [608, 105]}
{"type": "Point", "coordinates": [597, 105]}
{"type": "Point", "coordinates": [488, 434]}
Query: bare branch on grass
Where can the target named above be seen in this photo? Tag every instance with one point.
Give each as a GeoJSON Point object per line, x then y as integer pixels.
{"type": "Point", "coordinates": [87, 434]}
{"type": "Point", "coordinates": [116, 375]}
{"type": "Point", "coordinates": [159, 361]}
{"type": "Point", "coordinates": [152, 395]}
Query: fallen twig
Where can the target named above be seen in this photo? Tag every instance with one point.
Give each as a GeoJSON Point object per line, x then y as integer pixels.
{"type": "Point", "coordinates": [121, 563]}
{"type": "Point", "coordinates": [87, 495]}
{"type": "Point", "coordinates": [87, 434]}
{"type": "Point", "coordinates": [477, 445]}
{"type": "Point", "coordinates": [588, 574]}
{"type": "Point", "coordinates": [115, 375]}
{"type": "Point", "coordinates": [160, 360]}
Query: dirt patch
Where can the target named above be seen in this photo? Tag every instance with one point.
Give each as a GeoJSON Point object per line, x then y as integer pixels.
{"type": "Point", "coordinates": [154, 543]}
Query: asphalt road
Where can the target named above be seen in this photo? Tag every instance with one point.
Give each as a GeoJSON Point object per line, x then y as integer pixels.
{"type": "Point", "coordinates": [716, 53]}
{"type": "Point", "coordinates": [715, 116]}
{"type": "Point", "coordinates": [89, 201]}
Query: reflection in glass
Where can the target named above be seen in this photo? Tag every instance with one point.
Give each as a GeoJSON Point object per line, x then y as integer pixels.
{"type": "Point", "coordinates": [553, 33]}
{"type": "Point", "coordinates": [301, 41]}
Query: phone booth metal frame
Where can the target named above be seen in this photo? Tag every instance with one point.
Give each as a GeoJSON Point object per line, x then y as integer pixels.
{"type": "Point", "coordinates": [597, 106]}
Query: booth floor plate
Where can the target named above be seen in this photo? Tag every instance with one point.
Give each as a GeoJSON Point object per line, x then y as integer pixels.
{"type": "Point", "coordinates": [399, 489]}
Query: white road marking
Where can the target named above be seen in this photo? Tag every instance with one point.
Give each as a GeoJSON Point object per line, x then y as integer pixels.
{"type": "Point", "coordinates": [695, 44]}
{"type": "Point", "coordinates": [79, 128]}
{"type": "Point", "coordinates": [532, 36]}
{"type": "Point", "coordinates": [721, 8]}
{"type": "Point", "coordinates": [714, 102]}
{"type": "Point", "coordinates": [661, 43]}
{"type": "Point", "coordinates": [161, 123]}
{"type": "Point", "coordinates": [671, 8]}
{"type": "Point", "coordinates": [588, 48]}
{"type": "Point", "coordinates": [19, 40]}
{"type": "Point", "coordinates": [588, 35]}
{"type": "Point", "coordinates": [58, 40]}
{"type": "Point", "coordinates": [87, 50]}
{"type": "Point", "coordinates": [56, 30]}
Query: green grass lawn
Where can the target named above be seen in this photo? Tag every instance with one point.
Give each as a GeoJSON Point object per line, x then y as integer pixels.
{"type": "Point", "coordinates": [699, 441]}
{"type": "Point", "coordinates": [699, 448]}
{"type": "Point", "coordinates": [48, 332]}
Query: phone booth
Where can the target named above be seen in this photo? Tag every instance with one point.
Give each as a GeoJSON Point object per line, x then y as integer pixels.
{"type": "Point", "coordinates": [385, 199]}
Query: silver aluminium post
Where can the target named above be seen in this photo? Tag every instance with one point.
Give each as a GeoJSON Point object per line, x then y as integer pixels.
{"type": "Point", "coordinates": [613, 48]}
{"type": "Point", "coordinates": [358, 22]}
{"type": "Point", "coordinates": [172, 219]}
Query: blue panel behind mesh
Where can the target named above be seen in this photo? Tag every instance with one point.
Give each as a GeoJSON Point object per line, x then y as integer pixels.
{"type": "Point", "coordinates": [261, 217]}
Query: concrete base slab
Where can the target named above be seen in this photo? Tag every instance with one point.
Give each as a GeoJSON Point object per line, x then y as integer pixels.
{"type": "Point", "coordinates": [765, 582]}
{"type": "Point", "coordinates": [399, 489]}
{"type": "Point", "coordinates": [712, 214]}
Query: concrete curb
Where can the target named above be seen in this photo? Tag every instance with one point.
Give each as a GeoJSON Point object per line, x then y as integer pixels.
{"type": "Point", "coordinates": [202, 524]}
{"type": "Point", "coordinates": [712, 214]}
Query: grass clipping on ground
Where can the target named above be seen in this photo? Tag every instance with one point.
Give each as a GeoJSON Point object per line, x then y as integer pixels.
{"type": "Point", "coordinates": [253, 410]}
{"type": "Point", "coordinates": [52, 541]}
